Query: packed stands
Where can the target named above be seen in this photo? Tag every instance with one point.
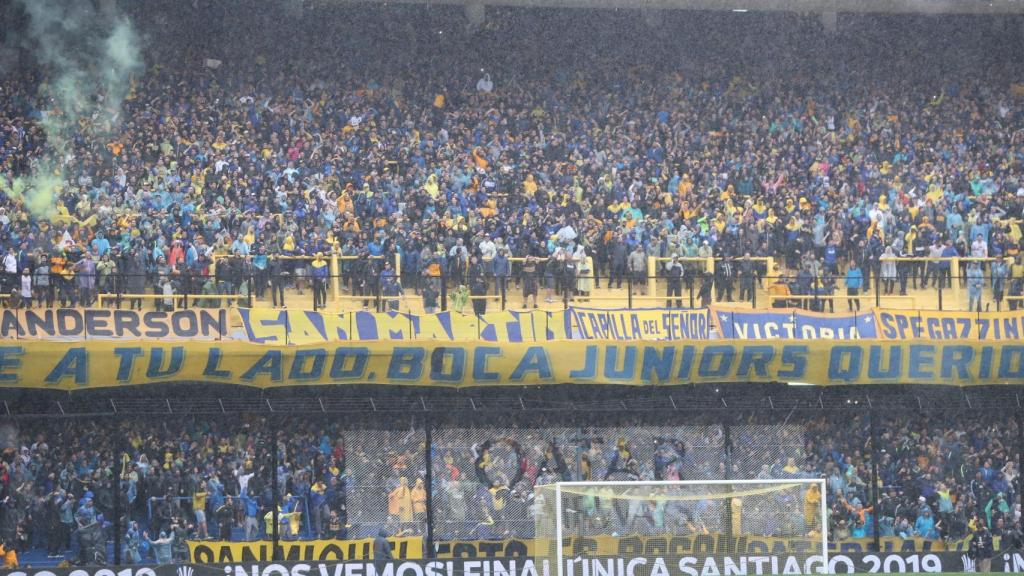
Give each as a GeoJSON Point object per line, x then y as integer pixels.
{"type": "Point", "coordinates": [940, 472]}
{"type": "Point", "coordinates": [388, 158]}
{"type": "Point", "coordinates": [397, 163]}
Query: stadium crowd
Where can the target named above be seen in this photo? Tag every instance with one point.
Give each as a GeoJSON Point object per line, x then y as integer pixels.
{"type": "Point", "coordinates": [216, 177]}
{"type": "Point", "coordinates": [203, 478]}
{"type": "Point", "coordinates": [372, 136]}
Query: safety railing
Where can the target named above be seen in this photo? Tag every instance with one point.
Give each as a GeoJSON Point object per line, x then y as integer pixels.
{"type": "Point", "coordinates": [368, 283]}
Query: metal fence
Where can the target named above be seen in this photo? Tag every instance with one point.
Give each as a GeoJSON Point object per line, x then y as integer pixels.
{"type": "Point", "coordinates": [924, 286]}
{"type": "Point", "coordinates": [463, 468]}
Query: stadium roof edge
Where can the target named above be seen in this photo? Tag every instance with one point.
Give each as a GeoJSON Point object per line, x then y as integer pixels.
{"type": "Point", "coordinates": [848, 6]}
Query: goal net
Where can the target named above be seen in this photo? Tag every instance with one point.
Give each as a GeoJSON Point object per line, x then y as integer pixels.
{"type": "Point", "coordinates": [670, 528]}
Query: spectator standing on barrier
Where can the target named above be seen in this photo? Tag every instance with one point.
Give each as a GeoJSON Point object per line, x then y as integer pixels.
{"type": "Point", "coordinates": [583, 274]}
{"type": "Point", "coordinates": [68, 291]}
{"type": "Point", "coordinates": [25, 288]}
{"type": "Point", "coordinates": [106, 270]}
{"type": "Point", "coordinates": [502, 271]}
{"type": "Point", "coordinates": [828, 289]}
{"type": "Point", "coordinates": [459, 298]}
{"type": "Point", "coordinates": [393, 293]}
{"type": "Point", "coordinates": [724, 275]}
{"type": "Point", "coordinates": [259, 271]}
{"type": "Point", "coordinates": [949, 252]}
{"type": "Point", "coordinates": [637, 264]}
{"type": "Point", "coordinates": [778, 289]}
{"type": "Point", "coordinates": [41, 285]}
{"type": "Point", "coordinates": [888, 271]}
{"type": "Point", "coordinates": [854, 280]}
{"type": "Point", "coordinates": [748, 275]}
{"type": "Point", "coordinates": [618, 254]}
{"type": "Point", "coordinates": [530, 281]}
{"type": "Point", "coordinates": [999, 272]}
{"type": "Point", "coordinates": [320, 273]}
{"type": "Point", "coordinates": [85, 269]}
{"type": "Point", "coordinates": [706, 286]}
{"type": "Point", "coordinates": [429, 294]}
{"type": "Point", "coordinates": [279, 275]}
{"type": "Point", "coordinates": [674, 274]}
{"type": "Point", "coordinates": [975, 285]}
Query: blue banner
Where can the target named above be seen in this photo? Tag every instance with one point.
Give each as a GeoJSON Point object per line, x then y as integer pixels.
{"type": "Point", "coordinates": [791, 323]}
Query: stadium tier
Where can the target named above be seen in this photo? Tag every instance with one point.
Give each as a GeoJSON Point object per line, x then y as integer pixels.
{"type": "Point", "coordinates": [307, 287]}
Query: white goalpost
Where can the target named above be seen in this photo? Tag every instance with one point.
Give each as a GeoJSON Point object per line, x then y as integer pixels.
{"type": "Point", "coordinates": [641, 528]}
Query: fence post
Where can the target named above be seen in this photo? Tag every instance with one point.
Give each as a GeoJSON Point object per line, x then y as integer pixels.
{"type": "Point", "coordinates": [878, 288]}
{"type": "Point", "coordinates": [940, 296]}
{"type": "Point", "coordinates": [629, 291]}
{"type": "Point", "coordinates": [120, 291]}
{"type": "Point", "coordinates": [428, 439]}
{"type": "Point", "coordinates": [444, 292]}
{"type": "Point", "coordinates": [249, 289]}
{"type": "Point", "coordinates": [118, 504]}
{"type": "Point", "coordinates": [1020, 448]}
{"type": "Point", "coordinates": [753, 291]}
{"type": "Point", "coordinates": [727, 475]}
{"type": "Point", "coordinates": [689, 286]}
{"type": "Point", "coordinates": [875, 452]}
{"type": "Point", "coordinates": [954, 278]}
{"type": "Point", "coordinates": [652, 277]}
{"type": "Point", "coordinates": [335, 276]}
{"type": "Point", "coordinates": [816, 289]}
{"type": "Point", "coordinates": [275, 535]}
{"type": "Point", "coordinates": [503, 284]}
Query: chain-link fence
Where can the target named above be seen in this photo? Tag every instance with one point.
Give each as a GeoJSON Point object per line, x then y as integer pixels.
{"type": "Point", "coordinates": [449, 478]}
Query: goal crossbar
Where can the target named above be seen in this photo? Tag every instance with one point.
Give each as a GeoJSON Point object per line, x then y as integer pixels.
{"type": "Point", "coordinates": [780, 483]}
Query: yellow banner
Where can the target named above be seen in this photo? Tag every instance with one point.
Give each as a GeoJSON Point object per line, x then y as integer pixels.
{"type": "Point", "coordinates": [58, 365]}
{"type": "Point", "coordinates": [929, 325]}
{"type": "Point", "coordinates": [297, 327]}
{"type": "Point", "coordinates": [209, 552]}
{"type": "Point", "coordinates": [630, 546]}
{"type": "Point", "coordinates": [70, 324]}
